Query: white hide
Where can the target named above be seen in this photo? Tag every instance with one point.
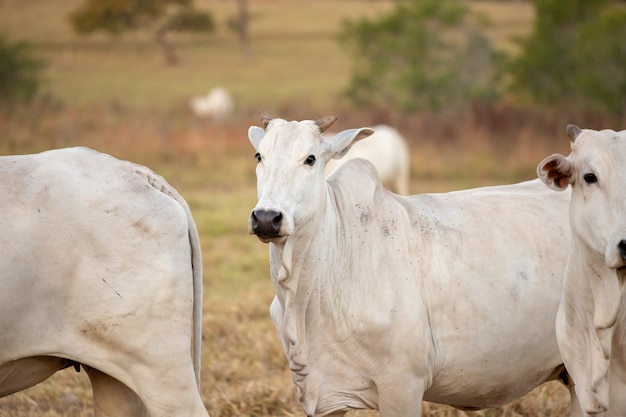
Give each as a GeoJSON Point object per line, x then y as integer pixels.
{"type": "Point", "coordinates": [101, 266]}
{"type": "Point", "coordinates": [591, 322]}
{"type": "Point", "coordinates": [388, 151]}
{"type": "Point", "coordinates": [217, 104]}
{"type": "Point", "coordinates": [383, 301]}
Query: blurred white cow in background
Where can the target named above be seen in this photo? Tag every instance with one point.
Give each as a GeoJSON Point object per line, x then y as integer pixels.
{"type": "Point", "coordinates": [217, 105]}
{"type": "Point", "coordinates": [591, 321]}
{"type": "Point", "coordinates": [388, 151]}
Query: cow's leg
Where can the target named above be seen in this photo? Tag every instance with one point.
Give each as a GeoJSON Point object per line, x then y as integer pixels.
{"type": "Point", "coordinates": [26, 372]}
{"type": "Point", "coordinates": [617, 400]}
{"type": "Point", "coordinates": [111, 398]}
{"type": "Point", "coordinates": [173, 393]}
{"type": "Point", "coordinates": [401, 399]}
{"type": "Point", "coordinates": [575, 410]}
{"type": "Point", "coordinates": [560, 374]}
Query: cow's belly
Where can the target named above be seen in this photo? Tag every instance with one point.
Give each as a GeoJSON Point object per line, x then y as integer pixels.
{"type": "Point", "coordinates": [495, 357]}
{"type": "Point", "coordinates": [472, 392]}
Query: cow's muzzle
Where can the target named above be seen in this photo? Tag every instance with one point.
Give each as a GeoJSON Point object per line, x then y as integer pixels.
{"type": "Point", "coordinates": [266, 224]}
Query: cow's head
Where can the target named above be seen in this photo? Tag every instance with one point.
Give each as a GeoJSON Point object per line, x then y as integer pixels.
{"type": "Point", "coordinates": [290, 172]}
{"type": "Point", "coordinates": [596, 170]}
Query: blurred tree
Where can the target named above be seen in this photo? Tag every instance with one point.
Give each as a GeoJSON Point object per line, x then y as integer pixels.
{"type": "Point", "coordinates": [576, 55]}
{"type": "Point", "coordinates": [240, 24]}
{"type": "Point", "coordinates": [20, 72]}
{"type": "Point", "coordinates": [601, 60]}
{"type": "Point", "coordinates": [162, 16]}
{"type": "Point", "coordinates": [424, 54]}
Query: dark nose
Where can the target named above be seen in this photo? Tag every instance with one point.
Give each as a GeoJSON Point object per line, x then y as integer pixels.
{"type": "Point", "coordinates": [266, 223]}
{"type": "Point", "coordinates": [622, 249]}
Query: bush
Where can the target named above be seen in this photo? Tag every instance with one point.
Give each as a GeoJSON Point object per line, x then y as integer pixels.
{"type": "Point", "coordinates": [575, 57]}
{"type": "Point", "coordinates": [20, 72]}
{"type": "Point", "coordinates": [601, 61]}
{"type": "Point", "coordinates": [424, 55]}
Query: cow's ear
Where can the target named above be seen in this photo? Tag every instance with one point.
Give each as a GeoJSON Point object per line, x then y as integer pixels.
{"type": "Point", "coordinates": [556, 172]}
{"type": "Point", "coordinates": [255, 134]}
{"type": "Point", "coordinates": [339, 144]}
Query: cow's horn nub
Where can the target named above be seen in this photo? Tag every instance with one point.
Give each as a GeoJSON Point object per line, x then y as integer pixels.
{"type": "Point", "coordinates": [573, 131]}
{"type": "Point", "coordinates": [265, 118]}
{"type": "Point", "coordinates": [325, 122]}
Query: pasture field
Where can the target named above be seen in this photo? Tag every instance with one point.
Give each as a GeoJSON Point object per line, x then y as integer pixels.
{"type": "Point", "coordinates": [119, 97]}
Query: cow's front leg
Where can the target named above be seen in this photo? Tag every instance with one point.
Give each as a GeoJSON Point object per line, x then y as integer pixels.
{"type": "Point", "coordinates": [401, 399]}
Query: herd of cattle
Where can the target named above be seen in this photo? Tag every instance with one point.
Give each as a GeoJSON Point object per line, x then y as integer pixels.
{"type": "Point", "coordinates": [93, 248]}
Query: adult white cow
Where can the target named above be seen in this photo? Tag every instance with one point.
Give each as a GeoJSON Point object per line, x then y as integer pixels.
{"type": "Point", "coordinates": [388, 151]}
{"type": "Point", "coordinates": [384, 300]}
{"type": "Point", "coordinates": [591, 321]}
{"type": "Point", "coordinates": [100, 267]}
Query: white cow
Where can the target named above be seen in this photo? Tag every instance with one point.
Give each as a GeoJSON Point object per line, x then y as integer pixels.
{"type": "Point", "coordinates": [388, 151]}
{"type": "Point", "coordinates": [591, 321]}
{"type": "Point", "coordinates": [217, 104]}
{"type": "Point", "coordinates": [101, 267]}
{"type": "Point", "coordinates": [385, 300]}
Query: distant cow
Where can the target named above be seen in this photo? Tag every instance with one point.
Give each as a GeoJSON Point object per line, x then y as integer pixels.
{"type": "Point", "coordinates": [101, 268]}
{"type": "Point", "coordinates": [387, 150]}
{"type": "Point", "coordinates": [383, 301]}
{"type": "Point", "coordinates": [216, 105]}
{"type": "Point", "coordinates": [591, 321]}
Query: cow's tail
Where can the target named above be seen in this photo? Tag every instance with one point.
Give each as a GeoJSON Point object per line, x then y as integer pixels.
{"type": "Point", "coordinates": [196, 264]}
{"type": "Point", "coordinates": [162, 185]}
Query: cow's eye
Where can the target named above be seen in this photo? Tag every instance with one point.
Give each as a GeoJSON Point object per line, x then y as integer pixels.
{"type": "Point", "coordinates": [310, 160]}
{"type": "Point", "coordinates": [258, 156]}
{"type": "Point", "coordinates": [590, 178]}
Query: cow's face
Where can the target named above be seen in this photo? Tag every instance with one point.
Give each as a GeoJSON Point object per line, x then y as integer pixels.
{"type": "Point", "coordinates": [596, 170]}
{"type": "Point", "coordinates": [290, 173]}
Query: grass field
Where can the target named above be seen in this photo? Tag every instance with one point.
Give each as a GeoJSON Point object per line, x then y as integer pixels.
{"type": "Point", "coordinates": [119, 97]}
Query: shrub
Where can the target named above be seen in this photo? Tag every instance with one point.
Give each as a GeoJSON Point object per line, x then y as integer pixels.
{"type": "Point", "coordinates": [20, 72]}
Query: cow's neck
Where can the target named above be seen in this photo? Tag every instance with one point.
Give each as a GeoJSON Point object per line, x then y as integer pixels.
{"type": "Point", "coordinates": [313, 290]}
{"type": "Point", "coordinates": [306, 268]}
{"type": "Point", "coordinates": [587, 268]}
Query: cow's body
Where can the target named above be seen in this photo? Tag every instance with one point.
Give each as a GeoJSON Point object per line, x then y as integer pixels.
{"type": "Point", "coordinates": [384, 300]}
{"type": "Point", "coordinates": [100, 266]}
{"type": "Point", "coordinates": [591, 321]}
{"type": "Point", "coordinates": [388, 151]}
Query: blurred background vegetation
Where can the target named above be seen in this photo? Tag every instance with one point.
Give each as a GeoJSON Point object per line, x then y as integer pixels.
{"type": "Point", "coordinates": [481, 89]}
{"type": "Point", "coordinates": [411, 55]}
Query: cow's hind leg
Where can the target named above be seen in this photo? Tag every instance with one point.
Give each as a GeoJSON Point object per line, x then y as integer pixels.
{"type": "Point", "coordinates": [155, 388]}
{"type": "Point", "coordinates": [172, 393]}
{"type": "Point", "coordinates": [111, 398]}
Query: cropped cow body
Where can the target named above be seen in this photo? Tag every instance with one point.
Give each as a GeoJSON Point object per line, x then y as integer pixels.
{"type": "Point", "coordinates": [384, 300]}
{"type": "Point", "coordinates": [100, 267]}
{"type": "Point", "coordinates": [591, 321]}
